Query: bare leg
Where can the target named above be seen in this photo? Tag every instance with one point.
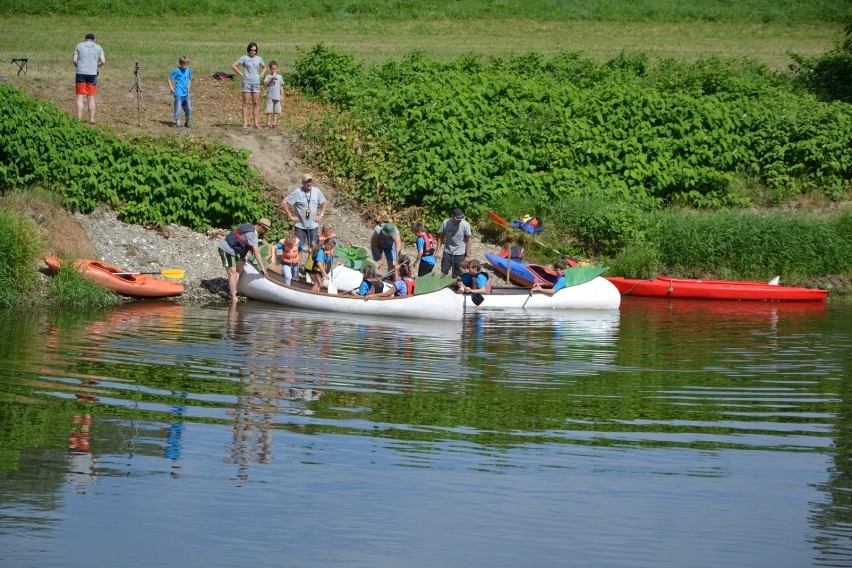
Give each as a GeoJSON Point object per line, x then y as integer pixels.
{"type": "Point", "coordinates": [246, 100]}
{"type": "Point", "coordinates": [255, 97]}
{"type": "Point", "coordinates": [233, 278]}
{"type": "Point", "coordinates": [80, 105]}
{"type": "Point", "coordinates": [92, 109]}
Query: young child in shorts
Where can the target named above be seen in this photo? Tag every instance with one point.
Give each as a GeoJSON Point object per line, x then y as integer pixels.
{"type": "Point", "coordinates": [274, 94]}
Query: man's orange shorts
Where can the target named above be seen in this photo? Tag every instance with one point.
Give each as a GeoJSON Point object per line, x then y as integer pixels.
{"type": "Point", "coordinates": [87, 84]}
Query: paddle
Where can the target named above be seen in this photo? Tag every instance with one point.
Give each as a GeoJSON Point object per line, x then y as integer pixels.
{"type": "Point", "coordinates": [174, 273]}
{"type": "Point", "coordinates": [524, 305]}
{"type": "Point", "coordinates": [506, 225]}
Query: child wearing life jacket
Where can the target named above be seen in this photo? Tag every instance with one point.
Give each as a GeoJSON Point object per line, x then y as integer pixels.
{"type": "Point", "coordinates": [425, 244]}
{"type": "Point", "coordinates": [402, 287]}
{"type": "Point", "coordinates": [371, 284]}
{"type": "Point", "coordinates": [288, 257]}
{"type": "Point", "coordinates": [327, 232]}
{"type": "Point", "coordinates": [474, 280]}
{"type": "Point", "coordinates": [319, 263]}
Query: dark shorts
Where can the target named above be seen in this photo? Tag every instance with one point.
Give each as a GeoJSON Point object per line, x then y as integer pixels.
{"type": "Point", "coordinates": [449, 261]}
{"type": "Point", "coordinates": [425, 268]}
{"type": "Point", "coordinates": [309, 237]}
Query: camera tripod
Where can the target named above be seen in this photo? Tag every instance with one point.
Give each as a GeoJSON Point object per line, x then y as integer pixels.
{"type": "Point", "coordinates": [140, 98]}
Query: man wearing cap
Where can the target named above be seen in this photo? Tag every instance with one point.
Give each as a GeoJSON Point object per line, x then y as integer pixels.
{"type": "Point", "coordinates": [305, 206]}
{"type": "Point", "coordinates": [87, 59]}
{"type": "Point", "coordinates": [455, 235]}
{"type": "Point", "coordinates": [387, 240]}
{"type": "Point", "coordinates": [234, 248]}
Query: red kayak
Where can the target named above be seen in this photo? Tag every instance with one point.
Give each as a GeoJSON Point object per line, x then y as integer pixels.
{"type": "Point", "coordinates": [665, 287]}
{"type": "Point", "coordinates": [120, 281]}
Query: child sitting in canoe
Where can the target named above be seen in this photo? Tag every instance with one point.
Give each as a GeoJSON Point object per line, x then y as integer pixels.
{"type": "Point", "coordinates": [371, 284]}
{"type": "Point", "coordinates": [559, 267]}
{"type": "Point", "coordinates": [473, 280]}
{"type": "Point", "coordinates": [402, 287]}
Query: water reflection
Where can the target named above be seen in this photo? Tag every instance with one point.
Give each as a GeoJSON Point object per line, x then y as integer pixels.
{"type": "Point", "coordinates": [688, 399]}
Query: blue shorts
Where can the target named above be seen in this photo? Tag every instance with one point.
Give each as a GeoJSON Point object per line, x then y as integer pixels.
{"type": "Point", "coordinates": [249, 87]}
{"type": "Point", "coordinates": [390, 254]}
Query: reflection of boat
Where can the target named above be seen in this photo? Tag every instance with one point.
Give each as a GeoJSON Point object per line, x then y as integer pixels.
{"type": "Point", "coordinates": [119, 281]}
{"type": "Point", "coordinates": [665, 287]}
{"type": "Point", "coordinates": [166, 315]}
{"type": "Point", "coordinates": [441, 304]}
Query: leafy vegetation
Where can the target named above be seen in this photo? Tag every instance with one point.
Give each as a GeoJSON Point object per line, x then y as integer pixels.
{"type": "Point", "coordinates": [828, 76]}
{"type": "Point", "coordinates": [471, 133]}
{"type": "Point", "coordinates": [158, 182]}
{"type": "Point", "coordinates": [70, 289]}
{"type": "Point", "coordinates": [19, 247]}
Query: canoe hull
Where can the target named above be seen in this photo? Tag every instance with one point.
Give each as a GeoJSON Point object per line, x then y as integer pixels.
{"type": "Point", "coordinates": [596, 294]}
{"type": "Point", "coordinates": [441, 305]}
{"type": "Point", "coordinates": [662, 287]}
{"type": "Point", "coordinates": [130, 285]}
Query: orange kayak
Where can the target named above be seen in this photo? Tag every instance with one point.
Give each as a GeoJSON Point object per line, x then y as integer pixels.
{"type": "Point", "coordinates": [117, 280]}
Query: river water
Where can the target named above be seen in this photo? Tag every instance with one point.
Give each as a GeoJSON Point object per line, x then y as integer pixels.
{"type": "Point", "coordinates": [666, 434]}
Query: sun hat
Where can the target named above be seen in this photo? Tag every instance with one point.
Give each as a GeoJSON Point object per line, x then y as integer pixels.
{"type": "Point", "coordinates": [90, 36]}
{"type": "Point", "coordinates": [458, 214]}
{"type": "Point", "coordinates": [264, 222]}
{"type": "Point", "coordinates": [389, 230]}
{"type": "Point", "coordinates": [307, 177]}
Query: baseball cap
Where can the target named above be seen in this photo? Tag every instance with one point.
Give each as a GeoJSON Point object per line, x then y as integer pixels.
{"type": "Point", "coordinates": [307, 177]}
{"type": "Point", "coordinates": [458, 214]}
{"type": "Point", "coordinates": [89, 36]}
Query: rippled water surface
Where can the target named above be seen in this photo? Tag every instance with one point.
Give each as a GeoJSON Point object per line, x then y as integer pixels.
{"type": "Point", "coordinates": [664, 434]}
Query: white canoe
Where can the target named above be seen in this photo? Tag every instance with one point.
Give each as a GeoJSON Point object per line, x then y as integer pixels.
{"type": "Point", "coordinates": [443, 304]}
{"type": "Point", "coordinates": [596, 294]}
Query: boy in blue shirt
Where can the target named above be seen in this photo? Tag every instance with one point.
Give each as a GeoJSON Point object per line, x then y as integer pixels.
{"type": "Point", "coordinates": [559, 267]}
{"type": "Point", "coordinates": [179, 86]}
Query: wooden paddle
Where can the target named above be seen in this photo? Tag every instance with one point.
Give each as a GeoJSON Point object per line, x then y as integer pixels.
{"type": "Point", "coordinates": [174, 273]}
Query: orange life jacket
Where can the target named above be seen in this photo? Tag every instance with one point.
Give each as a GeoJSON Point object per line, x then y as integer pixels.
{"type": "Point", "coordinates": [290, 255]}
{"type": "Point", "coordinates": [409, 283]}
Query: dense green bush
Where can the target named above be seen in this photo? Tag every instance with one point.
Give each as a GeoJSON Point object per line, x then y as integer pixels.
{"type": "Point", "coordinates": [754, 245]}
{"type": "Point", "coordinates": [19, 249]}
{"type": "Point", "coordinates": [471, 133]}
{"type": "Point", "coordinates": [828, 76]}
{"type": "Point", "coordinates": [199, 185]}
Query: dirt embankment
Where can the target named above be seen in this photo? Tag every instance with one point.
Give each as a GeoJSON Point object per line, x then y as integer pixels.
{"type": "Point", "coordinates": [275, 153]}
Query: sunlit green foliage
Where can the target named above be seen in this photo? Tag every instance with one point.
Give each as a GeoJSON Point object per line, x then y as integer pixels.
{"type": "Point", "coordinates": [198, 185]}
{"type": "Point", "coordinates": [19, 249]}
{"type": "Point", "coordinates": [70, 289]}
{"type": "Point", "coordinates": [470, 133]}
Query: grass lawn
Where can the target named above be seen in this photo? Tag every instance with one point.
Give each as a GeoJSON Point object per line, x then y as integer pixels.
{"type": "Point", "coordinates": [213, 43]}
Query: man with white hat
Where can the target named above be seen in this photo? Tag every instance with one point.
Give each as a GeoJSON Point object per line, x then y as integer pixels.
{"type": "Point", "coordinates": [305, 206]}
{"type": "Point", "coordinates": [87, 59]}
{"type": "Point", "coordinates": [455, 235]}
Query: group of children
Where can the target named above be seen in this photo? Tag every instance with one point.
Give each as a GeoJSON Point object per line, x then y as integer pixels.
{"type": "Point", "coordinates": [320, 258]}
{"type": "Point", "coordinates": [181, 76]}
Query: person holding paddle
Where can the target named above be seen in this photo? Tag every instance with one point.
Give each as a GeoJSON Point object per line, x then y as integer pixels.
{"type": "Point", "coordinates": [559, 267]}
{"type": "Point", "coordinates": [234, 248]}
